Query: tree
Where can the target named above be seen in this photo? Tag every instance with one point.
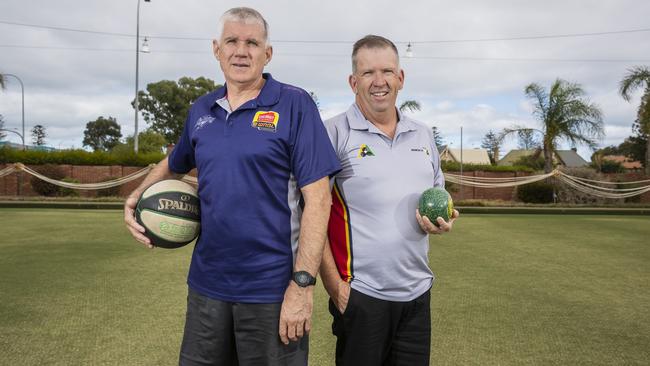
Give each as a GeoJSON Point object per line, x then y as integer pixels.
{"type": "Point", "coordinates": [102, 134]}
{"type": "Point", "coordinates": [314, 97]}
{"type": "Point", "coordinates": [639, 77]}
{"type": "Point", "coordinates": [564, 114]}
{"type": "Point", "coordinates": [492, 143]}
{"type": "Point", "coordinates": [527, 140]}
{"type": "Point", "coordinates": [437, 138]}
{"type": "Point", "coordinates": [410, 106]}
{"type": "Point", "coordinates": [2, 81]}
{"type": "Point", "coordinates": [38, 135]}
{"type": "Point", "coordinates": [2, 125]}
{"type": "Point", "coordinates": [165, 104]}
{"type": "Point", "coordinates": [148, 142]}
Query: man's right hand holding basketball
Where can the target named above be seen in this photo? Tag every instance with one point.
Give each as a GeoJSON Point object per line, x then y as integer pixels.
{"type": "Point", "coordinates": [136, 230]}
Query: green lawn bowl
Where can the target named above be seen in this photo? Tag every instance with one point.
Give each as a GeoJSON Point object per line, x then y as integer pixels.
{"type": "Point", "coordinates": [436, 202]}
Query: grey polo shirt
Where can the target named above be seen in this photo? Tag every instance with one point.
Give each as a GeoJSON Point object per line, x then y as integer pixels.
{"type": "Point", "coordinates": [376, 241]}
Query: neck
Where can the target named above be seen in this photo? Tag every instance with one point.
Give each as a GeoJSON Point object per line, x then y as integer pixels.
{"type": "Point", "coordinates": [385, 121]}
{"type": "Point", "coordinates": [240, 93]}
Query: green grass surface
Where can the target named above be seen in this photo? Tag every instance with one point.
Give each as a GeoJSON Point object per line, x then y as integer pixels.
{"type": "Point", "coordinates": [511, 290]}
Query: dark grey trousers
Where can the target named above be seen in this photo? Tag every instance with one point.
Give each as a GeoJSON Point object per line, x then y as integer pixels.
{"type": "Point", "coordinates": [232, 334]}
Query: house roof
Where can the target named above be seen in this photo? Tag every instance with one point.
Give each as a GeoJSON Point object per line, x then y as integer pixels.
{"type": "Point", "coordinates": [514, 155]}
{"type": "Point", "coordinates": [571, 159]}
{"type": "Point", "coordinates": [470, 156]}
{"type": "Point", "coordinates": [626, 162]}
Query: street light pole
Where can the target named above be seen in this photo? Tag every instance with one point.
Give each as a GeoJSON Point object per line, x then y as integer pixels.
{"type": "Point", "coordinates": [137, 69]}
{"type": "Point", "coordinates": [22, 89]}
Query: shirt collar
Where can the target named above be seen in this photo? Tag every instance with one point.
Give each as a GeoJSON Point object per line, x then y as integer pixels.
{"type": "Point", "coordinates": [268, 96]}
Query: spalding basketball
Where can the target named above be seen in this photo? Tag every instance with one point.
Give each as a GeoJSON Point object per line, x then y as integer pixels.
{"type": "Point", "coordinates": [169, 211]}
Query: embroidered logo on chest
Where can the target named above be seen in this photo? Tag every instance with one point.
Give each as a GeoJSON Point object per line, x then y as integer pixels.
{"type": "Point", "coordinates": [364, 150]}
{"type": "Point", "coordinates": [422, 149]}
{"type": "Point", "coordinates": [266, 121]}
{"type": "Point", "coordinates": [202, 122]}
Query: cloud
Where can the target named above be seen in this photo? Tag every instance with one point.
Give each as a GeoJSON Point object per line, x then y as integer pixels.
{"type": "Point", "coordinates": [475, 84]}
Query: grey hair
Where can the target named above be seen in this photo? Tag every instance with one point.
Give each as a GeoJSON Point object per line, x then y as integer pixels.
{"type": "Point", "coordinates": [371, 41]}
{"type": "Point", "coordinates": [247, 16]}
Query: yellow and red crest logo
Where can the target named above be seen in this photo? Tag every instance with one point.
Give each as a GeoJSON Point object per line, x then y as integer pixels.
{"type": "Point", "coordinates": [267, 121]}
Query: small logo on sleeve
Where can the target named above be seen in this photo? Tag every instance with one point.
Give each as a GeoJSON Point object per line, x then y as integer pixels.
{"type": "Point", "coordinates": [266, 121]}
{"type": "Point", "coordinates": [364, 150]}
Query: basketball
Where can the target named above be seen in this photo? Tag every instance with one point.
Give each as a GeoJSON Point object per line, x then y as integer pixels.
{"type": "Point", "coordinates": [169, 211]}
{"type": "Point", "coordinates": [436, 202]}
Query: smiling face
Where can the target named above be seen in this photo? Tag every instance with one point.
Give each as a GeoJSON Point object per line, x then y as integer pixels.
{"type": "Point", "coordinates": [242, 52]}
{"type": "Point", "coordinates": [376, 80]}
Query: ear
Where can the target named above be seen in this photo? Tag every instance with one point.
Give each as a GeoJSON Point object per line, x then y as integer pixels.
{"type": "Point", "coordinates": [215, 49]}
{"type": "Point", "coordinates": [269, 54]}
{"type": "Point", "coordinates": [401, 79]}
{"type": "Point", "coordinates": [352, 80]}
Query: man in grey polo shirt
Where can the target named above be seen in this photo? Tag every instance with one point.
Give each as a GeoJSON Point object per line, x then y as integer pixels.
{"type": "Point", "coordinates": [376, 267]}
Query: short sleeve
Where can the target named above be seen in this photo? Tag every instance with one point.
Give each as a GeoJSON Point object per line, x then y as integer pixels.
{"type": "Point", "coordinates": [312, 154]}
{"type": "Point", "coordinates": [181, 159]}
{"type": "Point", "coordinates": [438, 176]}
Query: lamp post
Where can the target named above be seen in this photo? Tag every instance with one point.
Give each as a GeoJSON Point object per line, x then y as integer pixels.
{"type": "Point", "coordinates": [137, 67]}
{"type": "Point", "coordinates": [22, 88]}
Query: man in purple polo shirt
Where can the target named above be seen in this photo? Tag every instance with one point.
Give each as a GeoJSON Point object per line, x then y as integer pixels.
{"type": "Point", "coordinates": [263, 159]}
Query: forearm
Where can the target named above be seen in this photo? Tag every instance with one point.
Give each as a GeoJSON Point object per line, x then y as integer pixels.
{"type": "Point", "coordinates": [313, 226]}
{"type": "Point", "coordinates": [328, 272]}
{"type": "Point", "coordinates": [159, 172]}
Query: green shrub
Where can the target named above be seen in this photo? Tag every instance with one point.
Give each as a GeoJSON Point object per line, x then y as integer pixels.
{"type": "Point", "coordinates": [452, 166]}
{"type": "Point", "coordinates": [44, 188]}
{"type": "Point", "coordinates": [536, 192]}
{"type": "Point", "coordinates": [68, 192]}
{"type": "Point", "coordinates": [610, 166]}
{"type": "Point", "coordinates": [77, 157]}
{"type": "Point", "coordinates": [109, 192]}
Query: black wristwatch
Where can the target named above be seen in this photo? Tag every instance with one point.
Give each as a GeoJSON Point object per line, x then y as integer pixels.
{"type": "Point", "coordinates": [304, 279]}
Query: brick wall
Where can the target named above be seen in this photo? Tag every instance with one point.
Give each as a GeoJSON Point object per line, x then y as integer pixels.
{"type": "Point", "coordinates": [9, 185]}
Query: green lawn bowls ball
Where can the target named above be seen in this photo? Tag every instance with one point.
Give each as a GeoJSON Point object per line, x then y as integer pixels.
{"type": "Point", "coordinates": [436, 202]}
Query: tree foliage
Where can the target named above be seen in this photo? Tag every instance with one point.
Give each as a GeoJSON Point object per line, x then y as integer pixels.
{"type": "Point", "coordinates": [148, 142]}
{"type": "Point", "coordinates": [492, 143]}
{"type": "Point", "coordinates": [38, 135]}
{"type": "Point", "coordinates": [564, 113]}
{"type": "Point", "coordinates": [165, 104]}
{"type": "Point", "coordinates": [437, 137]}
{"type": "Point", "coordinates": [102, 134]}
{"type": "Point", "coordinates": [639, 77]}
{"type": "Point", "coordinates": [410, 106]}
{"type": "Point", "coordinates": [2, 125]}
{"type": "Point", "coordinates": [526, 139]}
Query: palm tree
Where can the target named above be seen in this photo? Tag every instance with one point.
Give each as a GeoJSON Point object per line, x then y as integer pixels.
{"type": "Point", "coordinates": [639, 77]}
{"type": "Point", "coordinates": [409, 105]}
{"type": "Point", "coordinates": [565, 114]}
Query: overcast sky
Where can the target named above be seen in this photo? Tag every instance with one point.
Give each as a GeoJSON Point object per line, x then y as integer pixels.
{"type": "Point", "coordinates": [460, 74]}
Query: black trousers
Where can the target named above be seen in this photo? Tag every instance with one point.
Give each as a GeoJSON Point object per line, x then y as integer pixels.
{"type": "Point", "coordinates": [230, 334]}
{"type": "Point", "coordinates": [373, 332]}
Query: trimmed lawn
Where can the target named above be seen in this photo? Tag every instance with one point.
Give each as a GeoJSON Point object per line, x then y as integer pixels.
{"type": "Point", "coordinates": [510, 290]}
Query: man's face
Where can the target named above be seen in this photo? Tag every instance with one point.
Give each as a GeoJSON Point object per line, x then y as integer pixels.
{"type": "Point", "coordinates": [377, 80]}
{"type": "Point", "coordinates": [242, 52]}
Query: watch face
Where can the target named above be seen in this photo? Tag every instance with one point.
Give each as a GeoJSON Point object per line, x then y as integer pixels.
{"type": "Point", "coordinates": [303, 278]}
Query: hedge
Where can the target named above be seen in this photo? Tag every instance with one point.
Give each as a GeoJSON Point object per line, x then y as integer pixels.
{"type": "Point", "coordinates": [76, 157]}
{"type": "Point", "coordinates": [452, 166]}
